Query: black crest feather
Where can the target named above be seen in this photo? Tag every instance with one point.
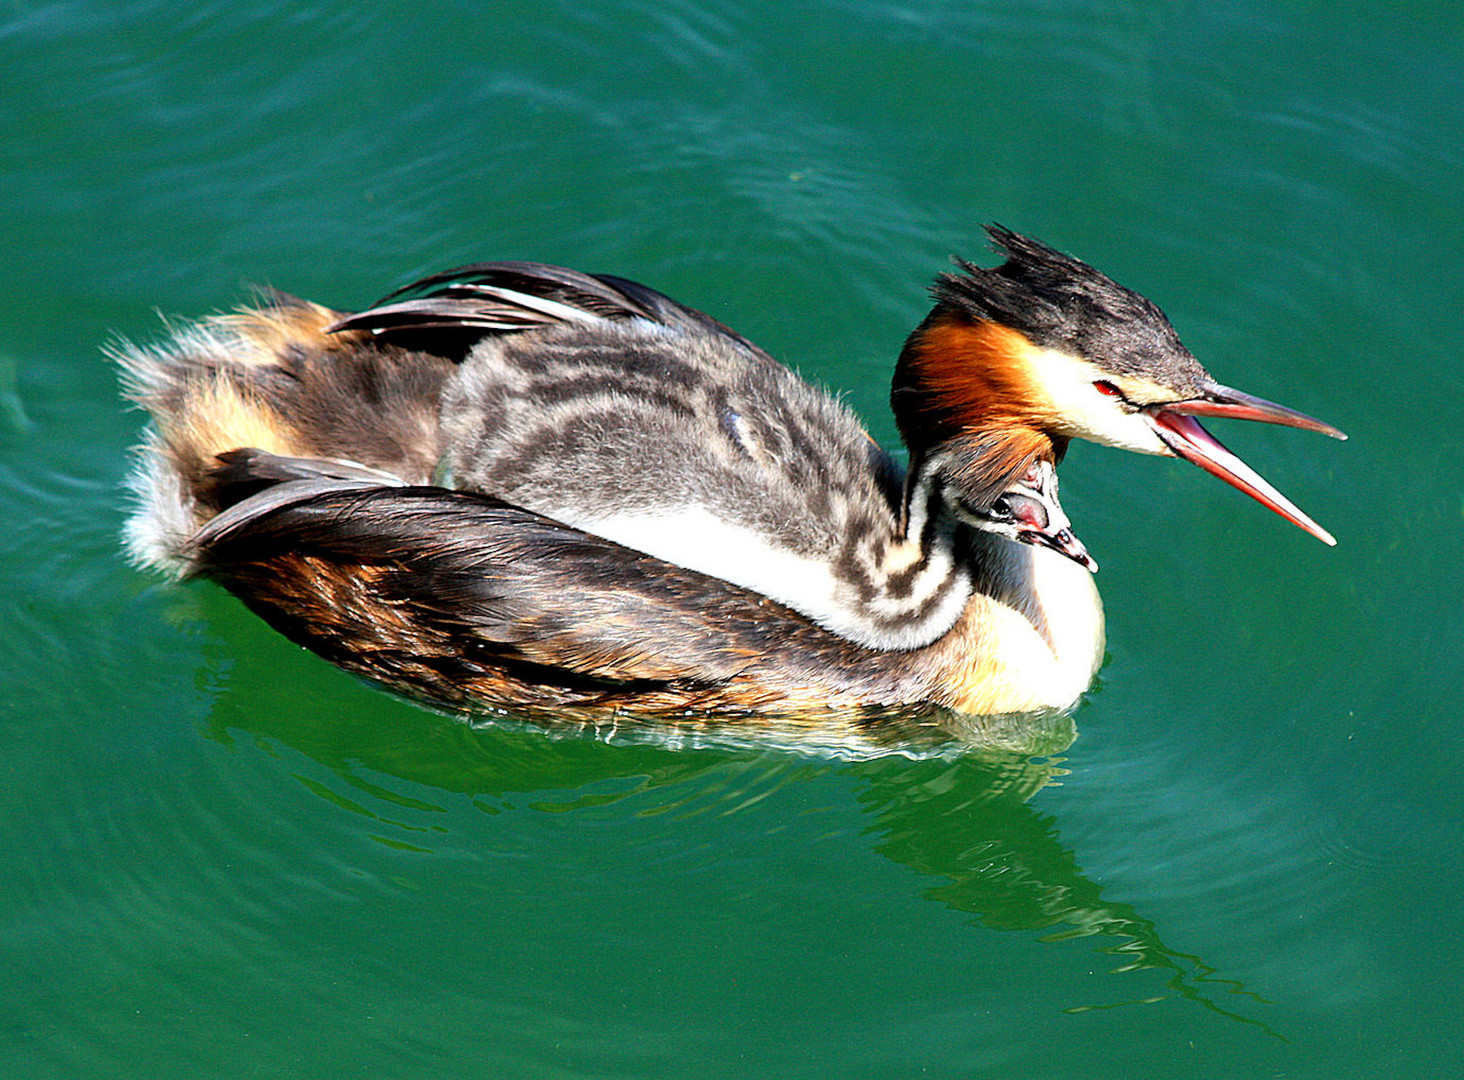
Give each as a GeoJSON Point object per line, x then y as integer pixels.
{"type": "Point", "coordinates": [1060, 302]}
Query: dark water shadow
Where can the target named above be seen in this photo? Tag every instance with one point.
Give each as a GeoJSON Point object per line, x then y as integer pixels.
{"type": "Point", "coordinates": [950, 800]}
{"type": "Point", "coordinates": [1003, 861]}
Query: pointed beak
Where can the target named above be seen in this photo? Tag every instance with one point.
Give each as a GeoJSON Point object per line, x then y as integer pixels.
{"type": "Point", "coordinates": [1039, 517]}
{"type": "Point", "coordinates": [1063, 542]}
{"type": "Point", "coordinates": [1176, 427]}
{"type": "Point", "coordinates": [1223, 401]}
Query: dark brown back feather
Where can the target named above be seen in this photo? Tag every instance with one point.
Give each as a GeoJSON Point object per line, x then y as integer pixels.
{"type": "Point", "coordinates": [447, 312]}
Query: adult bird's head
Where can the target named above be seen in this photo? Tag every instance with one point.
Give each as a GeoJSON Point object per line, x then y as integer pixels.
{"type": "Point", "coordinates": [1022, 357]}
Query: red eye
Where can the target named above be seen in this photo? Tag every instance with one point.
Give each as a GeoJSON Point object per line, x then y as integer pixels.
{"type": "Point", "coordinates": [1106, 388]}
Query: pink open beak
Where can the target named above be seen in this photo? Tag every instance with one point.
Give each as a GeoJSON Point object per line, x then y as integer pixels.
{"type": "Point", "coordinates": [1176, 427]}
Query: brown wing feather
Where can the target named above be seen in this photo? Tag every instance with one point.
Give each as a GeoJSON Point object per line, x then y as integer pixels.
{"type": "Point", "coordinates": [460, 598]}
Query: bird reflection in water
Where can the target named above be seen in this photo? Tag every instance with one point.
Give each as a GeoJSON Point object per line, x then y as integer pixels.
{"type": "Point", "coordinates": [953, 802]}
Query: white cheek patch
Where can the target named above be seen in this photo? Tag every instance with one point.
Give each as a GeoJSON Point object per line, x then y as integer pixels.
{"type": "Point", "coordinates": [1081, 411]}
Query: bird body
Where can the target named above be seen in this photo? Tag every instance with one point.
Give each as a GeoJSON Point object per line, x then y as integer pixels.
{"type": "Point", "coordinates": [519, 485]}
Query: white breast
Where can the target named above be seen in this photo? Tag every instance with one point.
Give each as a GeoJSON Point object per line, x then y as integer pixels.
{"type": "Point", "coordinates": [1072, 611]}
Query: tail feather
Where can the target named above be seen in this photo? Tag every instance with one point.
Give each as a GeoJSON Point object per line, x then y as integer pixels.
{"type": "Point", "coordinates": [273, 379]}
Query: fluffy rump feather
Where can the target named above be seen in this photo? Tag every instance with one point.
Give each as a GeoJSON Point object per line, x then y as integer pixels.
{"type": "Point", "coordinates": [272, 379]}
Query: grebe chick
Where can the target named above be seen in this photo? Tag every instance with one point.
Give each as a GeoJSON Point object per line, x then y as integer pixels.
{"type": "Point", "coordinates": [515, 484]}
{"type": "Point", "coordinates": [682, 442]}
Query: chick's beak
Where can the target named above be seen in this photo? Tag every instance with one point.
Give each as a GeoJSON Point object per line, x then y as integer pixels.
{"type": "Point", "coordinates": [1176, 427]}
{"type": "Point", "coordinates": [1040, 520]}
{"type": "Point", "coordinates": [1063, 542]}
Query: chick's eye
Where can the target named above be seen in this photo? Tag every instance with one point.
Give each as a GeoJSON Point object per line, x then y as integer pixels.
{"type": "Point", "coordinates": [998, 511]}
{"type": "Point", "coordinates": [1106, 388]}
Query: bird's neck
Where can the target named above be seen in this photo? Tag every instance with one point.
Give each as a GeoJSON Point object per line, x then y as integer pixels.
{"type": "Point", "coordinates": [1029, 638]}
{"type": "Point", "coordinates": [1030, 630]}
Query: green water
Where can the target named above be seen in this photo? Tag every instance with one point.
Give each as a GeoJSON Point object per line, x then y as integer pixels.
{"type": "Point", "coordinates": [224, 858]}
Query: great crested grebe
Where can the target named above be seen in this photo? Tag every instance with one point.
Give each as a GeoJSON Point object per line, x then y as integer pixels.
{"type": "Point", "coordinates": [518, 485]}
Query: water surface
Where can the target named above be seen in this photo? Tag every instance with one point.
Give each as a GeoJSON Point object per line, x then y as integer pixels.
{"type": "Point", "coordinates": [224, 858]}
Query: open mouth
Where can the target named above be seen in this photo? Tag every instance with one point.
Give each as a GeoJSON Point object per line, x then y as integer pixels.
{"type": "Point", "coordinates": [1177, 428]}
